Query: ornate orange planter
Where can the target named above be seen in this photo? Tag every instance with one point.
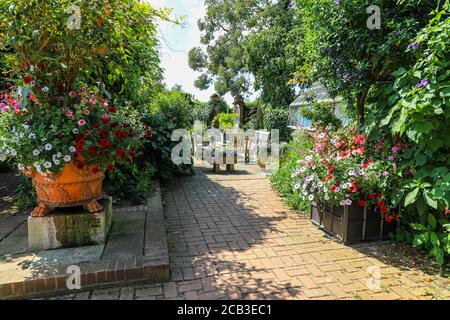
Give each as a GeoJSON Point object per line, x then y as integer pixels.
{"type": "Point", "coordinates": [68, 188]}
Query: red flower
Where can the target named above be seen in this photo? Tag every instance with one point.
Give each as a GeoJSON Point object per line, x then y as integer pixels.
{"type": "Point", "coordinates": [333, 188]}
{"type": "Point", "coordinates": [325, 162]}
{"type": "Point", "coordinates": [359, 139]}
{"type": "Point", "coordinates": [105, 143]}
{"type": "Point", "coordinates": [111, 167]}
{"type": "Point", "coordinates": [336, 184]}
{"type": "Point", "coordinates": [330, 177]}
{"type": "Point", "coordinates": [380, 204]}
{"type": "Point", "coordinates": [361, 151]}
{"type": "Point", "coordinates": [27, 79]}
{"type": "Point", "coordinates": [365, 165]}
{"type": "Point", "coordinates": [120, 153]}
{"type": "Point", "coordinates": [133, 153]}
{"type": "Point", "coordinates": [120, 134]}
{"type": "Point", "coordinates": [331, 172]}
{"type": "Point", "coordinates": [362, 203]}
{"type": "Point", "coordinates": [446, 211]}
{"type": "Point", "coordinates": [371, 196]}
{"type": "Point", "coordinates": [354, 188]}
{"type": "Point", "coordinates": [148, 133]}
{"type": "Point", "coordinates": [324, 179]}
{"type": "Point", "coordinates": [104, 133]}
{"type": "Point", "coordinates": [330, 167]}
{"type": "Point", "coordinates": [115, 124]}
{"type": "Point", "coordinates": [388, 219]}
{"type": "Point", "coordinates": [379, 195]}
{"type": "Point", "coordinates": [384, 210]}
{"type": "Point", "coordinates": [105, 120]}
{"type": "Point", "coordinates": [96, 126]}
{"type": "Point", "coordinates": [95, 169]}
{"type": "Point", "coordinates": [112, 109]}
{"type": "Point", "coordinates": [395, 217]}
{"type": "Point", "coordinates": [94, 149]}
{"type": "Point", "coordinates": [369, 160]}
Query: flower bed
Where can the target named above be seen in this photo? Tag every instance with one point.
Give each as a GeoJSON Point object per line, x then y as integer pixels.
{"type": "Point", "coordinates": [339, 173]}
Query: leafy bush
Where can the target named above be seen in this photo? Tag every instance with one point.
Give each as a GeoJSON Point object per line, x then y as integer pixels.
{"type": "Point", "coordinates": [174, 106]}
{"type": "Point", "coordinates": [282, 180]}
{"type": "Point", "coordinates": [225, 120]}
{"type": "Point", "coordinates": [322, 115]}
{"type": "Point", "coordinates": [419, 100]}
{"type": "Point", "coordinates": [275, 118]}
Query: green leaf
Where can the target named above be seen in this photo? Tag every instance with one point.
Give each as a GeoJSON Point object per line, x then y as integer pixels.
{"type": "Point", "coordinates": [418, 226]}
{"type": "Point", "coordinates": [434, 239]}
{"type": "Point", "coordinates": [407, 154]}
{"type": "Point", "coordinates": [432, 221]}
{"type": "Point", "coordinates": [430, 201]}
{"type": "Point", "coordinates": [411, 197]}
{"type": "Point", "coordinates": [421, 159]}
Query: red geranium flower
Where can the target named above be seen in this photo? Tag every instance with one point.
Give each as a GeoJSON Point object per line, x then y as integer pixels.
{"type": "Point", "coordinates": [133, 153]}
{"type": "Point", "coordinates": [105, 120]}
{"type": "Point", "coordinates": [359, 139]}
{"type": "Point", "coordinates": [115, 124]}
{"type": "Point", "coordinates": [111, 167]}
{"type": "Point", "coordinates": [112, 109]}
{"type": "Point", "coordinates": [324, 179]}
{"type": "Point", "coordinates": [120, 153]}
{"type": "Point", "coordinates": [396, 217]}
{"type": "Point", "coordinates": [104, 133]}
{"type": "Point", "coordinates": [330, 177]}
{"type": "Point", "coordinates": [105, 143]}
{"type": "Point", "coordinates": [384, 210]}
{"type": "Point", "coordinates": [380, 203]}
{"type": "Point", "coordinates": [148, 133]}
{"type": "Point", "coordinates": [388, 219]}
{"type": "Point", "coordinates": [95, 169]}
{"type": "Point", "coordinates": [27, 79]}
{"type": "Point", "coordinates": [362, 203]}
{"type": "Point", "coordinates": [371, 196]}
{"type": "Point", "coordinates": [365, 165]}
{"type": "Point", "coordinates": [379, 195]}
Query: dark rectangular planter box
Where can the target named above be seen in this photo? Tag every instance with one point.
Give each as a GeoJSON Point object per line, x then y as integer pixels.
{"type": "Point", "coordinates": [352, 224]}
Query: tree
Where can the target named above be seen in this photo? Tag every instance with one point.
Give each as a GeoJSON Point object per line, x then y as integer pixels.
{"type": "Point", "coordinates": [348, 57]}
{"type": "Point", "coordinates": [246, 40]}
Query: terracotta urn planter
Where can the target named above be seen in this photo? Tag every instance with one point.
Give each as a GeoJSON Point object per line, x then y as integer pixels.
{"type": "Point", "coordinates": [70, 187]}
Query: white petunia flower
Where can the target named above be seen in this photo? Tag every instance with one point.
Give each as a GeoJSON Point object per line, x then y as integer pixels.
{"type": "Point", "coordinates": [48, 147]}
{"type": "Point", "coordinates": [21, 135]}
{"type": "Point", "coordinates": [326, 197]}
{"type": "Point", "coordinates": [45, 89]}
{"type": "Point", "coordinates": [59, 154]}
{"type": "Point", "coordinates": [2, 157]}
{"type": "Point", "coordinates": [36, 153]}
{"type": "Point", "coordinates": [67, 158]}
{"type": "Point", "coordinates": [311, 197]}
{"type": "Point", "coordinates": [56, 162]}
{"type": "Point", "coordinates": [75, 131]}
{"type": "Point", "coordinates": [20, 167]}
{"type": "Point", "coordinates": [72, 149]}
{"type": "Point", "coordinates": [47, 165]}
{"type": "Point", "coordinates": [26, 127]}
{"type": "Point", "coordinates": [13, 152]}
{"type": "Point", "coordinates": [337, 189]}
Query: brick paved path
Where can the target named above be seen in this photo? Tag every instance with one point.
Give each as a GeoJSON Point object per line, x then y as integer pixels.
{"type": "Point", "coordinates": [231, 237]}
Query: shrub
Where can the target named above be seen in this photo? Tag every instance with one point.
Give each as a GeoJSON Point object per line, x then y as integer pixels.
{"type": "Point", "coordinates": [275, 118]}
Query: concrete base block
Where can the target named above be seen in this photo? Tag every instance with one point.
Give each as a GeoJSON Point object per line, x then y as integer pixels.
{"type": "Point", "coordinates": [64, 229]}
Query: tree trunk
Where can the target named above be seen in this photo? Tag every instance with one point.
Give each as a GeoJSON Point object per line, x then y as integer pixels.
{"type": "Point", "coordinates": [239, 104]}
{"type": "Point", "coordinates": [360, 102]}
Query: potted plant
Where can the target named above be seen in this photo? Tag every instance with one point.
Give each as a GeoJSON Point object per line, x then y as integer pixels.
{"type": "Point", "coordinates": [64, 143]}
{"type": "Point", "coordinates": [58, 122]}
{"type": "Point", "coordinates": [346, 186]}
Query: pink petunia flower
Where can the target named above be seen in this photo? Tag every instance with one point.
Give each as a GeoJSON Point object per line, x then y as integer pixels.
{"type": "Point", "coordinates": [81, 122]}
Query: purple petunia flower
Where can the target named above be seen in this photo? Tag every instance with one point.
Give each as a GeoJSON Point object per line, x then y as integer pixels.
{"type": "Point", "coordinates": [413, 46]}
{"type": "Point", "coordinates": [394, 149]}
{"type": "Point", "coordinates": [391, 158]}
{"type": "Point", "coordinates": [338, 1]}
{"type": "Point", "coordinates": [385, 173]}
{"type": "Point", "coordinates": [422, 83]}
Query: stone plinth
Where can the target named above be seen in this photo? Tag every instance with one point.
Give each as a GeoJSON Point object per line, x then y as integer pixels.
{"type": "Point", "coordinates": [67, 228]}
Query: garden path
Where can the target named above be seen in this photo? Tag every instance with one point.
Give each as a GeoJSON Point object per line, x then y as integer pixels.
{"type": "Point", "coordinates": [231, 237]}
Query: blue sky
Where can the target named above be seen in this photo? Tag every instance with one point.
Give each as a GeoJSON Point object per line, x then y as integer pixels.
{"type": "Point", "coordinates": [176, 41]}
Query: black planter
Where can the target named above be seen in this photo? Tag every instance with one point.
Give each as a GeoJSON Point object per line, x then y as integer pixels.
{"type": "Point", "coordinates": [352, 224]}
